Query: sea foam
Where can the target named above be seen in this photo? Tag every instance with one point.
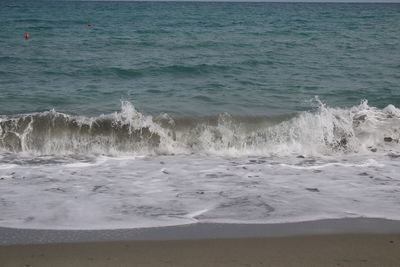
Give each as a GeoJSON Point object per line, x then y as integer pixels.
{"type": "Point", "coordinates": [323, 131]}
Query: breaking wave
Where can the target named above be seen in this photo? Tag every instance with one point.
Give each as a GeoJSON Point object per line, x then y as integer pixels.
{"type": "Point", "coordinates": [323, 131]}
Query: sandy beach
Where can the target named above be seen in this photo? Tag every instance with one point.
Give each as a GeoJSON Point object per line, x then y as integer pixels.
{"type": "Point", "coordinates": [325, 250]}
{"type": "Point", "coordinates": [341, 242]}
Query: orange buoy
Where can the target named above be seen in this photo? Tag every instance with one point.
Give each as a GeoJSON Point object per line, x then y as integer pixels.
{"type": "Point", "coordinates": [27, 36]}
{"type": "Point", "coordinates": [90, 25]}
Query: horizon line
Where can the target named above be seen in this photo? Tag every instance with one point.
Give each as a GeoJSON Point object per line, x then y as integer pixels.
{"type": "Point", "coordinates": [243, 1]}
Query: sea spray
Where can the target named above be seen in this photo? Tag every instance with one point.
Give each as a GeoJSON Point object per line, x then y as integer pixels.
{"type": "Point", "coordinates": [323, 131]}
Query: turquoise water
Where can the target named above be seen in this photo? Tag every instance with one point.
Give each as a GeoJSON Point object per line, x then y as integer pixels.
{"type": "Point", "coordinates": [196, 58]}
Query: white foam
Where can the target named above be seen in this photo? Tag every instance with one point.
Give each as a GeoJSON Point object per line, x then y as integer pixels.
{"type": "Point", "coordinates": [210, 172]}
{"type": "Point", "coordinates": [120, 193]}
{"type": "Point", "coordinates": [7, 166]}
{"type": "Point", "coordinates": [324, 131]}
{"type": "Point", "coordinates": [367, 163]}
{"type": "Point", "coordinates": [80, 165]}
{"type": "Point", "coordinates": [99, 161]}
{"type": "Point", "coordinates": [196, 213]}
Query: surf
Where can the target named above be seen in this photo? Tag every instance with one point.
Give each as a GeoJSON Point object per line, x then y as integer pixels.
{"type": "Point", "coordinates": [321, 131]}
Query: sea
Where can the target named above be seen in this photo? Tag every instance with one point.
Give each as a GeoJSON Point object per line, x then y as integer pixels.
{"type": "Point", "coordinates": [148, 114]}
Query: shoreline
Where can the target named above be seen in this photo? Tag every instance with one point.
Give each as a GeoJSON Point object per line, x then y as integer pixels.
{"type": "Point", "coordinates": [199, 231]}
{"type": "Point", "coordinates": [338, 242]}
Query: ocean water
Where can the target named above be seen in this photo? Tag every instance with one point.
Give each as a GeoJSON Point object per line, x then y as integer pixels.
{"type": "Point", "coordinates": [146, 114]}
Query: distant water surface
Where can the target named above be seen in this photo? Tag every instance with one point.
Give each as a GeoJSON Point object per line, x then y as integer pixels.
{"type": "Point", "coordinates": [196, 58]}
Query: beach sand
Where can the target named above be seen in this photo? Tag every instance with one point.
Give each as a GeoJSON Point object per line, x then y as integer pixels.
{"type": "Point", "coordinates": [334, 242]}
{"type": "Point", "coordinates": [323, 250]}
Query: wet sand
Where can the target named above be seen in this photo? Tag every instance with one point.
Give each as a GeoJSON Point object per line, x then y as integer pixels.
{"type": "Point", "coordinates": [348, 242]}
{"type": "Point", "coordinates": [330, 250]}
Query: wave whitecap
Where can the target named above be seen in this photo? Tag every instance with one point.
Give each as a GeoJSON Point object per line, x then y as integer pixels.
{"type": "Point", "coordinates": [324, 131]}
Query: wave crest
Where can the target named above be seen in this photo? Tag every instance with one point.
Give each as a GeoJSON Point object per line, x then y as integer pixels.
{"type": "Point", "coordinates": [324, 131]}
